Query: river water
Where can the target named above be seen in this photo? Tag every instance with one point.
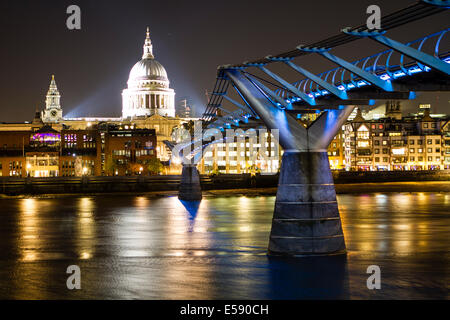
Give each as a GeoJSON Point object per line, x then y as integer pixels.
{"type": "Point", "coordinates": [142, 247]}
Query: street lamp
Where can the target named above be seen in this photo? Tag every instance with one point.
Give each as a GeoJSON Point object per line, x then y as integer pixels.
{"type": "Point", "coordinates": [140, 170]}
{"type": "Point", "coordinates": [85, 171]}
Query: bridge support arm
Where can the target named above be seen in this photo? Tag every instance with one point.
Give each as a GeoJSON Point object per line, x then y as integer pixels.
{"type": "Point", "coordinates": [306, 217]}
{"type": "Point", "coordinates": [273, 117]}
{"type": "Point", "coordinates": [325, 128]}
{"type": "Point", "coordinates": [329, 87]}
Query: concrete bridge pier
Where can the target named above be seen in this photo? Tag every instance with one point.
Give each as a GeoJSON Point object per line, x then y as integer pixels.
{"type": "Point", "coordinates": [306, 217]}
{"type": "Point", "coordinates": [190, 188]}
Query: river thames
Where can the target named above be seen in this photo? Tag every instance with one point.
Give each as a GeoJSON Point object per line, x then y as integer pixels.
{"type": "Point", "coordinates": [146, 247]}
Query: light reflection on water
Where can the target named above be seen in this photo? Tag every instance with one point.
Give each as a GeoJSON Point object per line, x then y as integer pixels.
{"type": "Point", "coordinates": [157, 248]}
{"type": "Point", "coordinates": [85, 230]}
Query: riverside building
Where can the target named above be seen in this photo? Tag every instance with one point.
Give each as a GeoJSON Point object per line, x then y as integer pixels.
{"type": "Point", "coordinates": [104, 149]}
{"type": "Point", "coordinates": [418, 141]}
{"type": "Point", "coordinates": [381, 140]}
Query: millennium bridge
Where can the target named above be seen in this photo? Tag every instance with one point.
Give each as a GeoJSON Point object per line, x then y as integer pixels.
{"type": "Point", "coordinates": [306, 218]}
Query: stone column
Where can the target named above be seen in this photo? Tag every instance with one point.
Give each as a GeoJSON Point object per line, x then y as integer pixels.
{"type": "Point", "coordinates": [190, 188]}
{"type": "Point", "coordinates": [306, 217]}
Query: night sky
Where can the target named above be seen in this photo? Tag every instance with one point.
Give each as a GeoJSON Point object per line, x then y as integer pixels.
{"type": "Point", "coordinates": [190, 39]}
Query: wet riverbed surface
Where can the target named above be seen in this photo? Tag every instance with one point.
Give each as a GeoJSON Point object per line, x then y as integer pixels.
{"type": "Point", "coordinates": [143, 247]}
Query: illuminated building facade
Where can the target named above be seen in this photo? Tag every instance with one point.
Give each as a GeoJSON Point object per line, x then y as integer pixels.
{"type": "Point", "coordinates": [388, 141]}
{"type": "Point", "coordinates": [416, 142]}
{"type": "Point", "coordinates": [259, 154]}
{"type": "Point", "coordinates": [336, 153]}
{"type": "Point", "coordinates": [75, 148]}
{"type": "Point", "coordinates": [128, 151]}
{"type": "Point", "coordinates": [100, 150]}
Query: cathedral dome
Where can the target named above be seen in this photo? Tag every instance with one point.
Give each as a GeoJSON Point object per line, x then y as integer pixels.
{"type": "Point", "coordinates": [148, 69]}
{"type": "Point", "coordinates": [148, 91]}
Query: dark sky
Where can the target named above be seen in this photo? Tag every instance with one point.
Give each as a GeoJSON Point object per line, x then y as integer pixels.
{"type": "Point", "coordinates": [190, 38]}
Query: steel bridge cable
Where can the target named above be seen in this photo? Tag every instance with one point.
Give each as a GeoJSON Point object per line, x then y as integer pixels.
{"type": "Point", "coordinates": [412, 13]}
{"type": "Point", "coordinates": [262, 79]}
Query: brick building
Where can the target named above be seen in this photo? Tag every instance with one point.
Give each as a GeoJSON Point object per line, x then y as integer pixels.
{"type": "Point", "coordinates": [105, 149]}
{"type": "Point", "coordinates": [128, 151]}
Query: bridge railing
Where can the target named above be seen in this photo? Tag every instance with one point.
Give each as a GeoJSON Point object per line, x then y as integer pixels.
{"type": "Point", "coordinates": [387, 65]}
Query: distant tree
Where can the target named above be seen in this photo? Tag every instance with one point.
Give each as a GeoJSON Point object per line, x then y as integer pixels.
{"type": "Point", "coordinates": [154, 166]}
{"type": "Point", "coordinates": [134, 168]}
{"type": "Point", "coordinates": [189, 126]}
{"type": "Point", "coordinates": [254, 170]}
{"type": "Point", "coordinates": [214, 172]}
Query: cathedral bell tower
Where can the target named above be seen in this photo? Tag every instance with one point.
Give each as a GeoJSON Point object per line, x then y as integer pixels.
{"type": "Point", "coordinates": [53, 110]}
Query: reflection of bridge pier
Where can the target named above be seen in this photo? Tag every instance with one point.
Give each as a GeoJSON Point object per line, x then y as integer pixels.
{"type": "Point", "coordinates": [306, 217]}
